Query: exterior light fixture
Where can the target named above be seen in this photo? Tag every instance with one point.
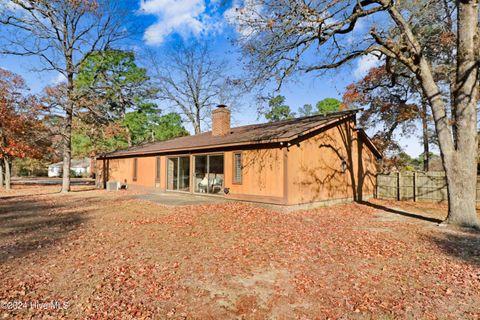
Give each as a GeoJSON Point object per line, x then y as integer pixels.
{"type": "Point", "coordinates": [343, 166]}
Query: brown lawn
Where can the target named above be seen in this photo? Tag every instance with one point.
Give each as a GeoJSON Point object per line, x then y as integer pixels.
{"type": "Point", "coordinates": [100, 255]}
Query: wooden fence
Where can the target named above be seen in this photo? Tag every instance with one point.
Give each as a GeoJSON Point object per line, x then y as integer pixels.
{"type": "Point", "coordinates": [415, 186]}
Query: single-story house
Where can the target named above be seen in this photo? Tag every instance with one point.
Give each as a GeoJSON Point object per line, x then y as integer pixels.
{"type": "Point", "coordinates": [80, 167]}
{"type": "Point", "coordinates": [321, 158]}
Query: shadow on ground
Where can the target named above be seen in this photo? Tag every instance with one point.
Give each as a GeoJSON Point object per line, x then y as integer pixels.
{"type": "Point", "coordinates": [464, 246]}
{"type": "Point", "coordinates": [28, 195]}
{"type": "Point", "coordinates": [84, 189]}
{"type": "Point", "coordinates": [31, 225]}
{"type": "Point", "coordinates": [401, 212]}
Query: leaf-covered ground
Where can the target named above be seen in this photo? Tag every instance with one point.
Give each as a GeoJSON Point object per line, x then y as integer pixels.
{"type": "Point", "coordinates": [100, 255]}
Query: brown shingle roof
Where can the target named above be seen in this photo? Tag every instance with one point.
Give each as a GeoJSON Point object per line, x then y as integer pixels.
{"type": "Point", "coordinates": [280, 131]}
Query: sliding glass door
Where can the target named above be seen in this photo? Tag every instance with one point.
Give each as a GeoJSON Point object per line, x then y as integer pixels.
{"type": "Point", "coordinates": [172, 173]}
{"type": "Point", "coordinates": [201, 174]}
{"type": "Point", "coordinates": [209, 174]}
{"type": "Point", "coordinates": [215, 174]}
{"type": "Point", "coordinates": [184, 174]}
{"type": "Point", "coordinates": [178, 173]}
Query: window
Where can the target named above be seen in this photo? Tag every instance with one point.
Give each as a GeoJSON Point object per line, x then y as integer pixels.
{"type": "Point", "coordinates": [237, 168]}
{"type": "Point", "coordinates": [157, 169]}
{"type": "Point", "coordinates": [135, 168]}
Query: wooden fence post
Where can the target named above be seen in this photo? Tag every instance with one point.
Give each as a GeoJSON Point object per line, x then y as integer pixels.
{"type": "Point", "coordinates": [399, 195]}
{"type": "Point", "coordinates": [414, 186]}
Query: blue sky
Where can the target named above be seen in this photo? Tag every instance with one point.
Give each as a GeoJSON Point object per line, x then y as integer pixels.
{"type": "Point", "coordinates": [164, 22]}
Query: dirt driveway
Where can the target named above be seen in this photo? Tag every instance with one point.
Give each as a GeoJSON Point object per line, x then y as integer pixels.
{"type": "Point", "coordinates": [99, 255]}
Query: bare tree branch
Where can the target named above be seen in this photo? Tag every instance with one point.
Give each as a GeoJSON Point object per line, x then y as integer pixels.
{"type": "Point", "coordinates": [192, 80]}
{"type": "Point", "coordinates": [437, 41]}
{"type": "Point", "coordinates": [62, 33]}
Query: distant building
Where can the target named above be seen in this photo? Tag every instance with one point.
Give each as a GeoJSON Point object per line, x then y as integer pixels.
{"type": "Point", "coordinates": [80, 167]}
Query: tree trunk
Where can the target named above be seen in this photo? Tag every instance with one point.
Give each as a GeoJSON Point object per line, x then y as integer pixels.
{"type": "Point", "coordinates": [459, 159]}
{"type": "Point", "coordinates": [452, 112]}
{"type": "Point", "coordinates": [1, 175]}
{"type": "Point", "coordinates": [129, 137]}
{"type": "Point", "coordinates": [197, 128]}
{"type": "Point", "coordinates": [426, 149]}
{"type": "Point", "coordinates": [67, 135]}
{"type": "Point", "coordinates": [6, 163]}
{"type": "Point", "coordinates": [461, 195]}
{"type": "Point", "coordinates": [461, 168]}
{"type": "Point", "coordinates": [197, 124]}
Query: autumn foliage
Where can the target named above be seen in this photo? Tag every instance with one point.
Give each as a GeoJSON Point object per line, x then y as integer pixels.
{"type": "Point", "coordinates": [114, 257]}
{"type": "Point", "coordinates": [391, 106]}
{"type": "Point", "coordinates": [22, 133]}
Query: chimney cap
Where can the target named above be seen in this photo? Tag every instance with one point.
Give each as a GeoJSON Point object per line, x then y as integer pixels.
{"type": "Point", "coordinates": [221, 106]}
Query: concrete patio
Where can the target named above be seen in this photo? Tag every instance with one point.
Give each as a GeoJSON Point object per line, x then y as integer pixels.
{"type": "Point", "coordinates": [179, 199]}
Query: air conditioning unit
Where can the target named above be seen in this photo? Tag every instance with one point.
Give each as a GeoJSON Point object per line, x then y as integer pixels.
{"type": "Point", "coordinates": [113, 185]}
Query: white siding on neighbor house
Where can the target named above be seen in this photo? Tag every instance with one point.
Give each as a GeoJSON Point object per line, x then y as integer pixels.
{"type": "Point", "coordinates": [54, 171]}
{"type": "Point", "coordinates": [80, 170]}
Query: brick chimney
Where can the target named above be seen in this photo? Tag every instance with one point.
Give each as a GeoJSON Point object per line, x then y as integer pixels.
{"type": "Point", "coordinates": [221, 121]}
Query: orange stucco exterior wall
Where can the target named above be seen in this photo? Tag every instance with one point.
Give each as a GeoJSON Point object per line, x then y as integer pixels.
{"type": "Point", "coordinates": [307, 171]}
{"type": "Point", "coordinates": [122, 170]}
{"type": "Point", "coordinates": [262, 175]}
{"type": "Point", "coordinates": [315, 167]}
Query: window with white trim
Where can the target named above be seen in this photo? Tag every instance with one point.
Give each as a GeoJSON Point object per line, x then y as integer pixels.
{"type": "Point", "coordinates": [237, 167]}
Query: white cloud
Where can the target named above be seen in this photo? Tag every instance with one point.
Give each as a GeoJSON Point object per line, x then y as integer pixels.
{"type": "Point", "coordinates": [364, 64]}
{"type": "Point", "coordinates": [243, 14]}
{"type": "Point", "coordinates": [58, 79]}
{"type": "Point", "coordinates": [249, 17]}
{"type": "Point", "coordinates": [184, 17]}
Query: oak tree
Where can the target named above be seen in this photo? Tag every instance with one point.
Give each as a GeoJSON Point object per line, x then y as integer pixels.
{"type": "Point", "coordinates": [279, 35]}
{"type": "Point", "coordinates": [22, 133]}
{"type": "Point", "coordinates": [278, 110]}
{"type": "Point", "coordinates": [62, 33]}
{"type": "Point", "coordinates": [328, 105]}
{"type": "Point", "coordinates": [306, 110]}
{"type": "Point", "coordinates": [393, 104]}
{"type": "Point", "coordinates": [192, 80]}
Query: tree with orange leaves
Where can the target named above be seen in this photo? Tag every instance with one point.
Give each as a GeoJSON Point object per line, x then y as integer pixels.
{"type": "Point", "coordinates": [393, 104]}
{"type": "Point", "coordinates": [22, 133]}
{"type": "Point", "coordinates": [63, 34]}
{"type": "Point", "coordinates": [436, 42]}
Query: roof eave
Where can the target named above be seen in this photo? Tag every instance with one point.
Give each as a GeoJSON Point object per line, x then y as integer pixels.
{"type": "Point", "coordinates": [370, 144]}
{"type": "Point", "coordinates": [118, 154]}
{"type": "Point", "coordinates": [216, 146]}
